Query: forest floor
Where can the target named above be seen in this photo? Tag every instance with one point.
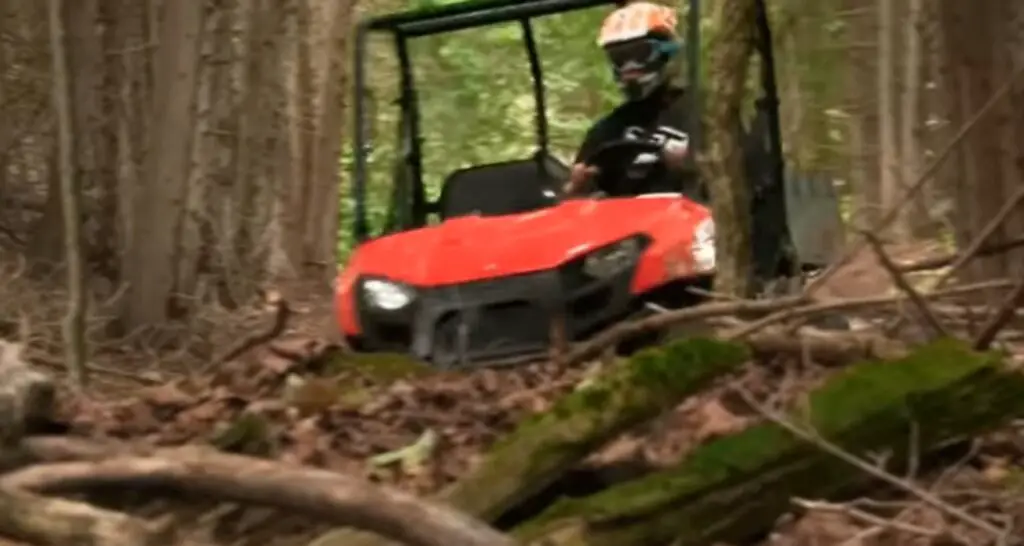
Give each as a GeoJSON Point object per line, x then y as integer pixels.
{"type": "Point", "coordinates": [185, 396]}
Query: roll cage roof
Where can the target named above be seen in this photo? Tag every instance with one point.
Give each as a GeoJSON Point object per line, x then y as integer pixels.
{"type": "Point", "coordinates": [477, 13]}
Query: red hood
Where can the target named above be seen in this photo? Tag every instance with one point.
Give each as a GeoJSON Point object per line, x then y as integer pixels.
{"type": "Point", "coordinates": [472, 247]}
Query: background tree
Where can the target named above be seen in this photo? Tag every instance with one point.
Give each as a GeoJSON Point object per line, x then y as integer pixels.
{"type": "Point", "coordinates": [729, 54]}
{"type": "Point", "coordinates": [73, 327]}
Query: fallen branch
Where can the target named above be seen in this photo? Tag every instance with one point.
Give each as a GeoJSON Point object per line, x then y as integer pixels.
{"type": "Point", "coordinates": [281, 314]}
{"type": "Point", "coordinates": [879, 523]}
{"type": "Point", "coordinates": [901, 283]}
{"type": "Point", "coordinates": [998, 320]}
{"type": "Point", "coordinates": [611, 337]}
{"type": "Point", "coordinates": [780, 309]}
{"type": "Point", "coordinates": [60, 522]}
{"type": "Point", "coordinates": [340, 499]}
{"type": "Point", "coordinates": [823, 346]}
{"type": "Point", "coordinates": [736, 487]}
{"type": "Point", "coordinates": [827, 306]}
{"type": "Point", "coordinates": [48, 449]}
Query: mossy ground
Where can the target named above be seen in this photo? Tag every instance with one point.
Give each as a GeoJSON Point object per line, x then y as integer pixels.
{"type": "Point", "coordinates": [380, 368]}
{"type": "Point", "coordinates": [942, 390]}
{"type": "Point", "coordinates": [635, 391]}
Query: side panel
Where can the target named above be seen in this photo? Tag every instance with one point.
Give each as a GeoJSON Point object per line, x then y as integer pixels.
{"type": "Point", "coordinates": [812, 210]}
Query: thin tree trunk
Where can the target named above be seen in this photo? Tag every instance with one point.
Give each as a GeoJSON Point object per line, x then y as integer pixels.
{"type": "Point", "coordinates": [322, 223]}
{"type": "Point", "coordinates": [74, 320]}
{"type": "Point", "coordinates": [910, 151]}
{"type": "Point", "coordinates": [887, 116]}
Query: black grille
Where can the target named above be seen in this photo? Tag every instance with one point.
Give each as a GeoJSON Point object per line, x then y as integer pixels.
{"type": "Point", "coordinates": [487, 320]}
{"type": "Point", "coordinates": [491, 332]}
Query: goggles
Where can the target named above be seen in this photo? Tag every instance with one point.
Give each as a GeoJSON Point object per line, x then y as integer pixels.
{"type": "Point", "coordinates": [639, 54]}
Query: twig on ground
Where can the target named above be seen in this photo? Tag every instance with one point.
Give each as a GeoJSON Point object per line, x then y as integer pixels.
{"type": "Point", "coordinates": [859, 303]}
{"type": "Point", "coordinates": [335, 497]}
{"type": "Point", "coordinates": [997, 321]}
{"type": "Point", "coordinates": [620, 332]}
{"type": "Point", "coordinates": [815, 439]}
{"type": "Point", "coordinates": [853, 512]}
{"type": "Point", "coordinates": [904, 286]}
{"type": "Point", "coordinates": [281, 314]}
{"type": "Point", "coordinates": [781, 309]}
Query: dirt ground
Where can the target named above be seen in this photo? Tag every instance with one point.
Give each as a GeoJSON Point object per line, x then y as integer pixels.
{"type": "Point", "coordinates": [249, 405]}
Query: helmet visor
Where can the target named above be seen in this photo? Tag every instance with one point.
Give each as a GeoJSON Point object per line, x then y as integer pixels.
{"type": "Point", "coordinates": [633, 58]}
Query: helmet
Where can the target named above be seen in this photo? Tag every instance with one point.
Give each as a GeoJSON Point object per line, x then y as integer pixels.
{"type": "Point", "coordinates": [640, 40]}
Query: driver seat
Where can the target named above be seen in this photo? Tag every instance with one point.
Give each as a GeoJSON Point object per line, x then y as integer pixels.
{"type": "Point", "coordinates": [508, 187]}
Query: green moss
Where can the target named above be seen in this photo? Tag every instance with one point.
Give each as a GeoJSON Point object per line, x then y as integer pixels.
{"type": "Point", "coordinates": [637, 390]}
{"type": "Point", "coordinates": [381, 368]}
{"type": "Point", "coordinates": [943, 388]}
{"type": "Point", "coordinates": [248, 434]}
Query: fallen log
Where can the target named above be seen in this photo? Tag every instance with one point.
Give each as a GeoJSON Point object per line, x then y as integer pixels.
{"type": "Point", "coordinates": [313, 492]}
{"type": "Point", "coordinates": [27, 395]}
{"type": "Point", "coordinates": [27, 403]}
{"type": "Point", "coordinates": [541, 450]}
{"type": "Point", "coordinates": [59, 522]}
{"type": "Point", "coordinates": [778, 310]}
{"type": "Point", "coordinates": [736, 487]}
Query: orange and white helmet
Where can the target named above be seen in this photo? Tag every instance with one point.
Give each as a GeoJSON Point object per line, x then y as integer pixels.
{"type": "Point", "coordinates": [637, 20]}
{"type": "Point", "coordinates": [640, 40]}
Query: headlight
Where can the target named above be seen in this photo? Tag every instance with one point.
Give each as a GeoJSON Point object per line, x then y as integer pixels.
{"type": "Point", "coordinates": [703, 247]}
{"type": "Point", "coordinates": [613, 259]}
{"type": "Point", "coordinates": [387, 295]}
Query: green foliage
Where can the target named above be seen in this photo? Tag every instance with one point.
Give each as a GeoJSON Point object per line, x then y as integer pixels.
{"type": "Point", "coordinates": [477, 105]}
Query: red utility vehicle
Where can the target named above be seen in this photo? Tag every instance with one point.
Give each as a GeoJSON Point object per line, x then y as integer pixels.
{"type": "Point", "coordinates": [508, 261]}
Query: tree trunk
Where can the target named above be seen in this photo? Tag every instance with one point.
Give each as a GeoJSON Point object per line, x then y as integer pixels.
{"type": "Point", "coordinates": [910, 152]}
{"type": "Point", "coordinates": [862, 78]}
{"type": "Point", "coordinates": [73, 327]}
{"type": "Point", "coordinates": [982, 48]}
{"type": "Point", "coordinates": [153, 249]}
{"type": "Point", "coordinates": [722, 163]}
{"type": "Point", "coordinates": [887, 115]}
{"type": "Point", "coordinates": [736, 487]}
{"type": "Point", "coordinates": [321, 231]}
{"type": "Point", "coordinates": [301, 132]}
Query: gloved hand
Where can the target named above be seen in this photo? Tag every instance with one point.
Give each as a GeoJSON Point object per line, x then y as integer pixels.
{"type": "Point", "coordinates": [579, 177]}
{"type": "Point", "coordinates": [675, 156]}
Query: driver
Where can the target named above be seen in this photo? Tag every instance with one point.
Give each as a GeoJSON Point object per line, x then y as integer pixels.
{"type": "Point", "coordinates": [640, 41]}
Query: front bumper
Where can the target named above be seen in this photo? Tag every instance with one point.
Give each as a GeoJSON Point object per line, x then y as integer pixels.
{"type": "Point", "coordinates": [509, 318]}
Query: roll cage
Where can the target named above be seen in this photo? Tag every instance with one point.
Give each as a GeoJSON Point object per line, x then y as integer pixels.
{"type": "Point", "coordinates": [410, 204]}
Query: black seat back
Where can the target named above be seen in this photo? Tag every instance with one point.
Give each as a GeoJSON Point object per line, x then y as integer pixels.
{"type": "Point", "coordinates": [502, 188]}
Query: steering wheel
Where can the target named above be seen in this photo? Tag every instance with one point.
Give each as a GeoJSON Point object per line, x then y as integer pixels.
{"type": "Point", "coordinates": [619, 173]}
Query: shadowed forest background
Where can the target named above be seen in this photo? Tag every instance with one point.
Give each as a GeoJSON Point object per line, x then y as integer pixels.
{"type": "Point", "coordinates": [215, 165]}
{"type": "Point", "coordinates": [189, 163]}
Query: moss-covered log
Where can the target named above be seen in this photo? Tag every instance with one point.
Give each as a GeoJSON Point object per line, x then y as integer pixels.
{"type": "Point", "coordinates": [737, 486]}
{"type": "Point", "coordinates": [542, 449]}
